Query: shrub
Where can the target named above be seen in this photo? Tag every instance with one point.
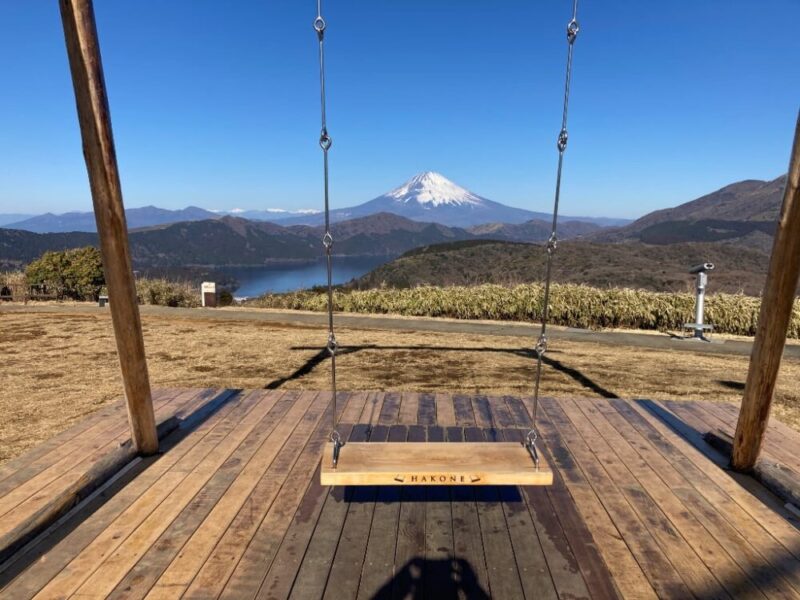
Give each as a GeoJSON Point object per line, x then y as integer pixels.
{"type": "Point", "coordinates": [163, 292]}
{"type": "Point", "coordinates": [570, 305]}
{"type": "Point", "coordinates": [225, 298]}
{"type": "Point", "coordinates": [75, 274]}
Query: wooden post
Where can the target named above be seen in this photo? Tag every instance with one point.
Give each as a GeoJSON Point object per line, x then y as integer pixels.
{"type": "Point", "coordinates": [94, 117]}
{"type": "Point", "coordinates": [776, 310]}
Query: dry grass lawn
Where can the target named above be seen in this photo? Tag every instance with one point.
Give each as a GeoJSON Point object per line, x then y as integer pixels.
{"type": "Point", "coordinates": [58, 368]}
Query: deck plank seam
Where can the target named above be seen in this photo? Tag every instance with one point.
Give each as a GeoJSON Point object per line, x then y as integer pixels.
{"type": "Point", "coordinates": [318, 421]}
{"type": "Point", "coordinates": [215, 444]}
{"type": "Point", "coordinates": [624, 492]}
{"type": "Point", "coordinates": [98, 444]}
{"type": "Point", "coordinates": [249, 443]}
{"type": "Point", "coordinates": [719, 548]}
{"type": "Point", "coordinates": [587, 518]}
{"type": "Point", "coordinates": [600, 418]}
{"type": "Point", "coordinates": [207, 521]}
{"type": "Point", "coordinates": [163, 465]}
{"type": "Point", "coordinates": [267, 567]}
{"type": "Point", "coordinates": [524, 500]}
{"type": "Point", "coordinates": [329, 497]}
{"type": "Point", "coordinates": [518, 432]}
{"type": "Point", "coordinates": [735, 501]}
{"type": "Point", "coordinates": [588, 483]}
{"type": "Point", "coordinates": [773, 562]}
{"type": "Point", "coordinates": [704, 450]}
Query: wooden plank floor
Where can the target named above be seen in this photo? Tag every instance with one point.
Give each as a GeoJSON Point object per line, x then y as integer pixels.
{"type": "Point", "coordinates": [233, 508]}
{"type": "Point", "coordinates": [33, 483]}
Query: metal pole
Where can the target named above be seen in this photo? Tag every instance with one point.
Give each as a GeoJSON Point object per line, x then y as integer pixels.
{"type": "Point", "coordinates": [699, 327]}
{"type": "Point", "coordinates": [702, 279]}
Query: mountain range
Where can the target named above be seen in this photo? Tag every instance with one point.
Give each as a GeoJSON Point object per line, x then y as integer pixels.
{"type": "Point", "coordinates": [428, 197]}
{"type": "Point", "coordinates": [137, 218]}
{"type": "Point", "coordinates": [632, 265]}
{"type": "Point", "coordinates": [234, 241]}
{"type": "Point", "coordinates": [8, 218]}
{"type": "Point", "coordinates": [431, 197]}
{"type": "Point", "coordinates": [742, 213]}
{"type": "Point", "coordinates": [146, 216]}
{"type": "Point", "coordinates": [732, 226]}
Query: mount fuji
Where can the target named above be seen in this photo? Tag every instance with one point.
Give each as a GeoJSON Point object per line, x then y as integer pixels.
{"type": "Point", "coordinates": [432, 198]}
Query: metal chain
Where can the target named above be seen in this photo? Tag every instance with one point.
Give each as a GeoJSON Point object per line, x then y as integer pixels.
{"type": "Point", "coordinates": [325, 142]}
{"type": "Point", "coordinates": [552, 242]}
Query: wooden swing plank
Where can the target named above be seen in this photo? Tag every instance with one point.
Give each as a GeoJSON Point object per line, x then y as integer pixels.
{"type": "Point", "coordinates": [424, 463]}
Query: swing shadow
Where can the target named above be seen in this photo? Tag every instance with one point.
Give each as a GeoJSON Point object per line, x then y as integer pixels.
{"type": "Point", "coordinates": [425, 494]}
{"type": "Point", "coordinates": [323, 355]}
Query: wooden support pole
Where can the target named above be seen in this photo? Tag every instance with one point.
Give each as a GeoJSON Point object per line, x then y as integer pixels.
{"type": "Point", "coordinates": [94, 117]}
{"type": "Point", "coordinates": [777, 303]}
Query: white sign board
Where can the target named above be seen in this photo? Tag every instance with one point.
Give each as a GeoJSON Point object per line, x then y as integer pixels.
{"type": "Point", "coordinates": [208, 294]}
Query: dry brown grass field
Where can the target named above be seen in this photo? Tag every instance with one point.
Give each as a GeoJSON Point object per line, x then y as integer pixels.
{"type": "Point", "coordinates": [57, 368]}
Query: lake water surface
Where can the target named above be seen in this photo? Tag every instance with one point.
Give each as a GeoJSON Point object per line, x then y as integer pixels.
{"type": "Point", "coordinates": [254, 281]}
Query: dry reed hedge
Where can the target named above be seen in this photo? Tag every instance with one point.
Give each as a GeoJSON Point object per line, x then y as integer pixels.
{"type": "Point", "coordinates": [158, 291]}
{"type": "Point", "coordinates": [15, 283]}
{"type": "Point", "coordinates": [163, 292]}
{"type": "Point", "coordinates": [570, 305]}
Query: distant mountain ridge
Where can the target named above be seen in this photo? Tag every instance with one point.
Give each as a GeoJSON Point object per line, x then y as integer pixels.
{"type": "Point", "coordinates": [744, 212]}
{"type": "Point", "coordinates": [431, 197]}
{"type": "Point", "coordinates": [634, 265]}
{"type": "Point", "coordinates": [428, 197]}
{"type": "Point", "coordinates": [535, 230]}
{"type": "Point", "coordinates": [146, 216]}
{"type": "Point", "coordinates": [234, 241]}
{"type": "Point", "coordinates": [137, 218]}
{"type": "Point", "coordinates": [6, 218]}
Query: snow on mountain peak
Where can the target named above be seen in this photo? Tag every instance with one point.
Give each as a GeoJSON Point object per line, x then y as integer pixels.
{"type": "Point", "coordinates": [433, 189]}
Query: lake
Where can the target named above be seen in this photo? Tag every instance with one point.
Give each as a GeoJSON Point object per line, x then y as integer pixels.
{"type": "Point", "coordinates": [254, 281]}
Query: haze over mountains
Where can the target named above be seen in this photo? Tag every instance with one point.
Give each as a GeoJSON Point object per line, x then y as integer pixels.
{"type": "Point", "coordinates": [146, 216]}
{"type": "Point", "coordinates": [7, 218]}
{"type": "Point", "coordinates": [428, 197]}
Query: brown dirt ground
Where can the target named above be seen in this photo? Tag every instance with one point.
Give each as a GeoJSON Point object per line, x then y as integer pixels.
{"type": "Point", "coordinates": [58, 368]}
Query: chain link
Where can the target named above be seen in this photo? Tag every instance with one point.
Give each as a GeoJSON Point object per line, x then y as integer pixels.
{"type": "Point", "coordinates": [325, 142]}
{"type": "Point", "coordinates": [552, 243]}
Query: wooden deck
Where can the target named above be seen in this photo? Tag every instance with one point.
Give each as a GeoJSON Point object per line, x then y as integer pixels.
{"type": "Point", "coordinates": [232, 508]}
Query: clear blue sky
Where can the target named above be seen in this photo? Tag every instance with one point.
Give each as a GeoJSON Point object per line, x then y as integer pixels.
{"type": "Point", "coordinates": [216, 103]}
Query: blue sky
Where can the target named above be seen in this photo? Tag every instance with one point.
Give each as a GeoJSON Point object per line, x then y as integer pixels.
{"type": "Point", "coordinates": [216, 103]}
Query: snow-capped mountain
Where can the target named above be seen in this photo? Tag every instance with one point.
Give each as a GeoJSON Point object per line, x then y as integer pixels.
{"type": "Point", "coordinates": [433, 189]}
{"type": "Point", "coordinates": [431, 197]}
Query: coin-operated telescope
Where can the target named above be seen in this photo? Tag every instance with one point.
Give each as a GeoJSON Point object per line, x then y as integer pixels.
{"type": "Point", "coordinates": [699, 327]}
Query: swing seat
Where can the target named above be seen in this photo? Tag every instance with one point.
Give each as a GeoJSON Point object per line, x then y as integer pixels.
{"type": "Point", "coordinates": [430, 463]}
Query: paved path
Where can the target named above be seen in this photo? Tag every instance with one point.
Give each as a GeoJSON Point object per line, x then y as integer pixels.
{"type": "Point", "coordinates": [387, 322]}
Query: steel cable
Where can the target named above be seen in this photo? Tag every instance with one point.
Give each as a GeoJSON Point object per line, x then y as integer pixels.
{"type": "Point", "coordinates": [552, 242]}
